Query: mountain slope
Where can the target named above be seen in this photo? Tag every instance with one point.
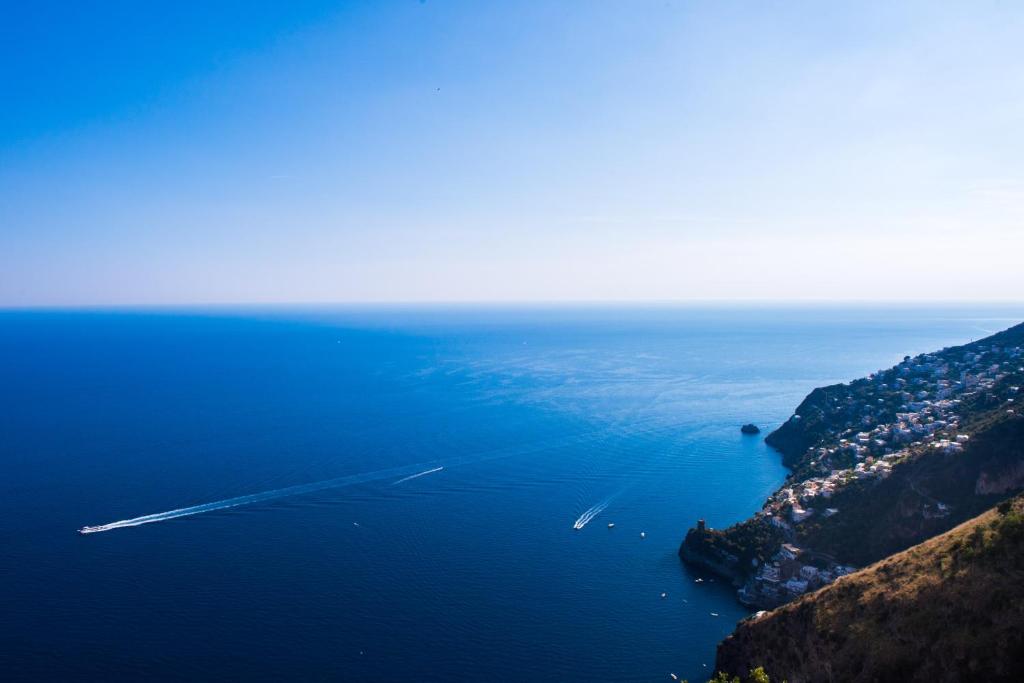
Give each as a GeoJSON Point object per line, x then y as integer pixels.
{"type": "Point", "coordinates": [949, 609]}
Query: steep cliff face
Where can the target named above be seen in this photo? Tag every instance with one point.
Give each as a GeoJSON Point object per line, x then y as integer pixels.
{"type": "Point", "coordinates": [1006, 479]}
{"type": "Point", "coordinates": [949, 609]}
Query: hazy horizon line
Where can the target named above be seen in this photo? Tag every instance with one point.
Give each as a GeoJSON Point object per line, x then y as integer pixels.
{"type": "Point", "coordinates": [508, 303]}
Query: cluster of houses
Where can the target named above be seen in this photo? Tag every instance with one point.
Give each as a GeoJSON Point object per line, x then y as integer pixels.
{"type": "Point", "coordinates": [903, 412]}
{"type": "Point", "coordinates": [790, 573]}
{"type": "Point", "coordinates": [908, 411]}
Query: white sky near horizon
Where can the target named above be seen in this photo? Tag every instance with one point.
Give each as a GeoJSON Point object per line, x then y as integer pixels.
{"type": "Point", "coordinates": [578, 151]}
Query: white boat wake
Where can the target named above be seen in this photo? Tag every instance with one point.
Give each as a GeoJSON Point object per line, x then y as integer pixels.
{"type": "Point", "coordinates": [419, 474]}
{"type": "Point", "coordinates": [591, 513]}
{"type": "Point", "coordinates": [299, 489]}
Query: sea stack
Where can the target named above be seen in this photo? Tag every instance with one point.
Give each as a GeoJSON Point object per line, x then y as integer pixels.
{"type": "Point", "coordinates": [750, 429]}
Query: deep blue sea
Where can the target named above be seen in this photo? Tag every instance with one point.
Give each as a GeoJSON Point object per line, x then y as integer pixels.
{"type": "Point", "coordinates": [471, 572]}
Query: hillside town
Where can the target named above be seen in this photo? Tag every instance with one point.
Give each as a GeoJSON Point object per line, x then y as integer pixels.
{"type": "Point", "coordinates": [908, 411]}
{"type": "Point", "coordinates": [864, 429]}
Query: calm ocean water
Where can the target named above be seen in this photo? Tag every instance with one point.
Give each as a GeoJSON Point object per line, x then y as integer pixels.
{"type": "Point", "coordinates": [473, 572]}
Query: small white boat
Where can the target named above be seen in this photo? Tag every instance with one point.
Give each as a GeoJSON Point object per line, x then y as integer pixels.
{"type": "Point", "coordinates": [698, 580]}
{"type": "Point", "coordinates": [664, 595]}
{"type": "Point", "coordinates": [714, 614]}
{"type": "Point", "coordinates": [611, 525]}
{"type": "Point", "coordinates": [643, 535]}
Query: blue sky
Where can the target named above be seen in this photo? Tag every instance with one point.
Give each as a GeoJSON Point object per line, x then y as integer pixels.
{"type": "Point", "coordinates": [466, 151]}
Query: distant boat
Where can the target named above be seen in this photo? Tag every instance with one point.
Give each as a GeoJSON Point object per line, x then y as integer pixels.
{"type": "Point", "coordinates": [643, 535]}
{"type": "Point", "coordinates": [611, 525]}
{"type": "Point", "coordinates": [714, 614]}
{"type": "Point", "coordinates": [664, 595]}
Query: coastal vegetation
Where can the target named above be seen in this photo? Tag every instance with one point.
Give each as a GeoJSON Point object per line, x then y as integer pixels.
{"type": "Point", "coordinates": [757, 675]}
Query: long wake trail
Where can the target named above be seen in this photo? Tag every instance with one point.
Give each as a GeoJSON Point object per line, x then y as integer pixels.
{"type": "Point", "coordinates": [419, 474]}
{"type": "Point", "coordinates": [411, 472]}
